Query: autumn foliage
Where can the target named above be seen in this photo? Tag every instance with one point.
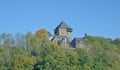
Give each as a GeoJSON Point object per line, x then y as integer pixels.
{"type": "Point", "coordinates": [36, 52]}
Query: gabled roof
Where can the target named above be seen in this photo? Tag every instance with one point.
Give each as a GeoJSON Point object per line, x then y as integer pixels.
{"type": "Point", "coordinates": [64, 25]}
{"type": "Point", "coordinates": [60, 38]}
{"type": "Point", "coordinates": [78, 40]}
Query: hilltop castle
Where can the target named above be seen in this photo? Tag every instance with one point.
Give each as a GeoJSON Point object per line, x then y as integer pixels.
{"type": "Point", "coordinates": [63, 34]}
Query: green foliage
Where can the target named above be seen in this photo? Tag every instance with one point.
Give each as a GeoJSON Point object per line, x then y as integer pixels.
{"type": "Point", "coordinates": [41, 33]}
{"type": "Point", "coordinates": [22, 62]}
{"type": "Point", "coordinates": [117, 41]}
{"type": "Point", "coordinates": [29, 47]}
{"type": "Point", "coordinates": [36, 52]}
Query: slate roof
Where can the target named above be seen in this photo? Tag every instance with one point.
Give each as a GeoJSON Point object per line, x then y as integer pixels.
{"type": "Point", "coordinates": [50, 36]}
{"type": "Point", "coordinates": [60, 38]}
{"type": "Point", "coordinates": [79, 40]}
{"type": "Point", "coordinates": [76, 41]}
{"type": "Point", "coordinates": [64, 25]}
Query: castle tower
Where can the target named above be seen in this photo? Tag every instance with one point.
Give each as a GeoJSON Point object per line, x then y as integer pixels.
{"type": "Point", "coordinates": [63, 30]}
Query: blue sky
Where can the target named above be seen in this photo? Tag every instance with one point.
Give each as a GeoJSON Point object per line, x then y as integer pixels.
{"type": "Point", "coordinates": [94, 17]}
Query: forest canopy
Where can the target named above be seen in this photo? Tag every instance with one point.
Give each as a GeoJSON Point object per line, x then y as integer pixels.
{"type": "Point", "coordinates": [37, 52]}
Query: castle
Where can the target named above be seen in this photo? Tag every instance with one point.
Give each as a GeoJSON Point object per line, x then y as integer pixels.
{"type": "Point", "coordinates": [63, 34]}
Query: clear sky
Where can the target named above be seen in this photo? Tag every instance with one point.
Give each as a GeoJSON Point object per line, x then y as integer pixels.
{"type": "Point", "coordinates": [94, 17]}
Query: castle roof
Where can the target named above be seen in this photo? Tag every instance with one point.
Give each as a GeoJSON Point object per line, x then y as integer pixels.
{"type": "Point", "coordinates": [60, 38]}
{"type": "Point", "coordinates": [64, 25]}
{"type": "Point", "coordinates": [80, 40]}
{"type": "Point", "coordinates": [77, 41]}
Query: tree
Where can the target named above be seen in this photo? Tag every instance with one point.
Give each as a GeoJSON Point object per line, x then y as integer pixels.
{"type": "Point", "coordinates": [40, 42]}
{"type": "Point", "coordinates": [6, 40]}
{"type": "Point", "coordinates": [117, 41]}
{"type": "Point", "coordinates": [84, 58]}
{"type": "Point", "coordinates": [41, 34]}
{"type": "Point", "coordinates": [22, 62]}
{"type": "Point", "coordinates": [29, 37]}
{"type": "Point", "coordinates": [20, 40]}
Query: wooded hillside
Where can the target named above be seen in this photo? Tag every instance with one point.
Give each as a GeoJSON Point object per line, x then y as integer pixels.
{"type": "Point", "coordinates": [36, 52]}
